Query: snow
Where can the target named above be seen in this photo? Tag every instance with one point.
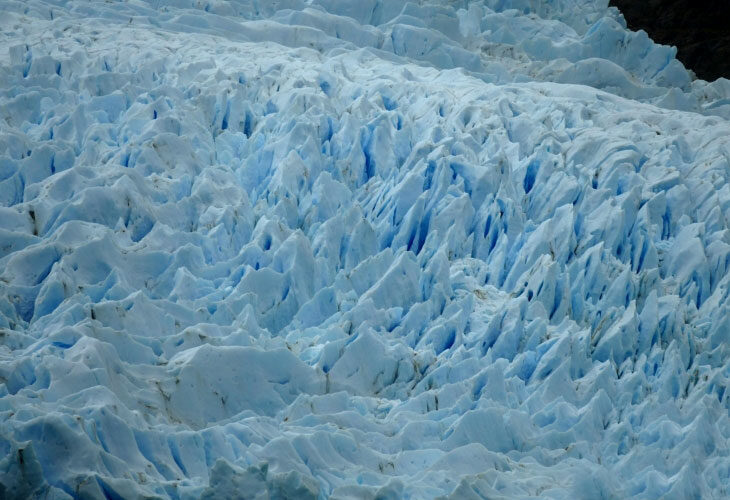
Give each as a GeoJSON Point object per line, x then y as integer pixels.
{"type": "Point", "coordinates": [359, 249]}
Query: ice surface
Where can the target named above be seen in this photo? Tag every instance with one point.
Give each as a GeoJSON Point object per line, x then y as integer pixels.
{"type": "Point", "coordinates": [359, 249]}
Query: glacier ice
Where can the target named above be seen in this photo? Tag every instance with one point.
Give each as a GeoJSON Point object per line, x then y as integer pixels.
{"type": "Point", "coordinates": [359, 249]}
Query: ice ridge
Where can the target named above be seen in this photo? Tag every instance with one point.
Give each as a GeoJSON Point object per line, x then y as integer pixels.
{"type": "Point", "coordinates": [359, 249]}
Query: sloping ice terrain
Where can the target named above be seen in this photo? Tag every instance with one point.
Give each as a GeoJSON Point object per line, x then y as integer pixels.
{"type": "Point", "coordinates": [359, 249]}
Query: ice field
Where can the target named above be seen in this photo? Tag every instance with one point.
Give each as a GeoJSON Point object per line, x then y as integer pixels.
{"type": "Point", "coordinates": [359, 249]}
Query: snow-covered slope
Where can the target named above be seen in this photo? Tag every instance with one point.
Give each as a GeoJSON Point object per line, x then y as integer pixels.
{"type": "Point", "coordinates": [359, 249]}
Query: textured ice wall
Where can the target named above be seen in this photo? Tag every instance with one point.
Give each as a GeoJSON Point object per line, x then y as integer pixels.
{"type": "Point", "coordinates": [358, 249]}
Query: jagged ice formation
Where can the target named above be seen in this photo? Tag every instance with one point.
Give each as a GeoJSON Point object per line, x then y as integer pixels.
{"type": "Point", "coordinates": [359, 249]}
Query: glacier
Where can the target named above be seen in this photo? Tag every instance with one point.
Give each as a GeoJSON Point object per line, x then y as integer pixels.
{"type": "Point", "coordinates": [359, 249]}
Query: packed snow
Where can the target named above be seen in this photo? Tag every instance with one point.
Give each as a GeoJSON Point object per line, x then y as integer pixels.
{"type": "Point", "coordinates": [359, 249]}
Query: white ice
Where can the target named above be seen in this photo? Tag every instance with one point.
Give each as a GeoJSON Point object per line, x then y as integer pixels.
{"type": "Point", "coordinates": [359, 249]}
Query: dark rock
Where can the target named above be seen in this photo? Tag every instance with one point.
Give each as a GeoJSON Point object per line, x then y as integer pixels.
{"type": "Point", "coordinates": [700, 29]}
